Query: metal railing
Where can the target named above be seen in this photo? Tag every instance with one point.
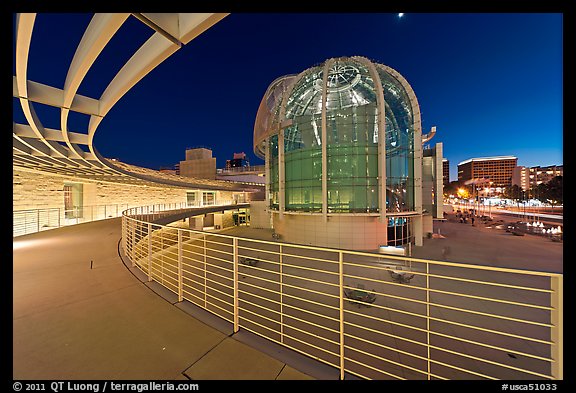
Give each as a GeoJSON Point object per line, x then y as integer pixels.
{"type": "Point", "coordinates": [241, 169]}
{"type": "Point", "coordinates": [350, 310]}
{"type": "Point", "coordinates": [36, 220]}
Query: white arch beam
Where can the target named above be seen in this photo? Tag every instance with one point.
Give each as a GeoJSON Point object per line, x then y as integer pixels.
{"type": "Point", "coordinates": [59, 151]}
{"type": "Point", "coordinates": [100, 31]}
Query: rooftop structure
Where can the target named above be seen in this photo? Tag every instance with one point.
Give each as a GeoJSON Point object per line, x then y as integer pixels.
{"type": "Point", "coordinates": [495, 170]}
{"type": "Point", "coordinates": [72, 152]}
{"type": "Point", "coordinates": [320, 133]}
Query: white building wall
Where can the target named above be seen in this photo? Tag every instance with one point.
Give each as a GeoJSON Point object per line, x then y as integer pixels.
{"type": "Point", "coordinates": [259, 214]}
{"type": "Point", "coordinates": [35, 190]}
{"type": "Point", "coordinates": [224, 220]}
{"type": "Point", "coordinates": [342, 231]}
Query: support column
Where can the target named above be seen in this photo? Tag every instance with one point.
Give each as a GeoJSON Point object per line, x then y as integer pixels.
{"type": "Point", "coordinates": [267, 195]}
{"type": "Point", "coordinates": [149, 252]}
{"type": "Point", "coordinates": [418, 230]}
{"type": "Point", "coordinates": [438, 181]}
{"type": "Point", "coordinates": [341, 314]}
{"type": "Point", "coordinates": [235, 273]}
{"type": "Point", "coordinates": [324, 138]}
{"type": "Point", "coordinates": [381, 124]}
{"type": "Point", "coordinates": [180, 278]}
{"type": "Point", "coordinates": [557, 330]}
{"type": "Point", "coordinates": [281, 175]}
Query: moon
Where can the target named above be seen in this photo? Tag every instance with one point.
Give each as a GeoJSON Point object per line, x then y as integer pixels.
{"type": "Point", "coordinates": [400, 15]}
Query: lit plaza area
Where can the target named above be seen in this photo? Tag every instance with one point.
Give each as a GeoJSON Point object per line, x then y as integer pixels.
{"type": "Point", "coordinates": [339, 257]}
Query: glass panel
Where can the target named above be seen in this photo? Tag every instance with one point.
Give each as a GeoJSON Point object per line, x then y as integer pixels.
{"type": "Point", "coordinates": [351, 142]}
{"type": "Point", "coordinates": [73, 200]}
{"type": "Point", "coordinates": [273, 162]}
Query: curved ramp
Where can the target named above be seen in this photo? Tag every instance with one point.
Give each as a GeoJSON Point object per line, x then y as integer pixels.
{"type": "Point", "coordinates": [78, 313]}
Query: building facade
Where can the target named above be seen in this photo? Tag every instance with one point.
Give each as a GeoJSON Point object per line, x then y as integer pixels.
{"type": "Point", "coordinates": [199, 164]}
{"type": "Point", "coordinates": [530, 177]}
{"type": "Point", "coordinates": [342, 143]}
{"type": "Point", "coordinates": [445, 172]}
{"type": "Point", "coordinates": [497, 171]}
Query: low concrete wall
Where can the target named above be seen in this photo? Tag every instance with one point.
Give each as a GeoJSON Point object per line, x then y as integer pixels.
{"type": "Point", "coordinates": [348, 232]}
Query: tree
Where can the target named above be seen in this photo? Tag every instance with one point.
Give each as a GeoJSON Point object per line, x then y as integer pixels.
{"type": "Point", "coordinates": [514, 192]}
{"type": "Point", "coordinates": [540, 192]}
{"type": "Point", "coordinates": [451, 188]}
{"type": "Point", "coordinates": [550, 192]}
{"type": "Point", "coordinates": [554, 190]}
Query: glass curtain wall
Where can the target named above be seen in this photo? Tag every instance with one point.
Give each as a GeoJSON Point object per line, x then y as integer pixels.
{"type": "Point", "coordinates": [303, 144]}
{"type": "Point", "coordinates": [274, 179]}
{"type": "Point", "coordinates": [399, 145]}
{"type": "Point", "coordinates": [352, 145]}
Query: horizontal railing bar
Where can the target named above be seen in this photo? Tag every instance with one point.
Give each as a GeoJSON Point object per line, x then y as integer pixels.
{"type": "Point", "coordinates": [186, 277]}
{"type": "Point", "coordinates": [368, 366]}
{"type": "Point", "coordinates": [284, 264]}
{"type": "Point", "coordinates": [526, 321]}
{"type": "Point", "coordinates": [258, 250]}
{"type": "Point", "coordinates": [285, 254]}
{"type": "Point", "coordinates": [491, 299]}
{"type": "Point", "coordinates": [495, 284]}
{"type": "Point", "coordinates": [288, 295]}
{"type": "Point", "coordinates": [393, 350]}
{"type": "Point", "coordinates": [288, 285]}
{"type": "Point", "coordinates": [490, 362]}
{"type": "Point", "coordinates": [462, 369]}
{"type": "Point", "coordinates": [491, 331]}
{"type": "Point", "coordinates": [507, 350]}
{"type": "Point", "coordinates": [297, 349]}
{"type": "Point", "coordinates": [388, 335]}
{"type": "Point", "coordinates": [220, 308]}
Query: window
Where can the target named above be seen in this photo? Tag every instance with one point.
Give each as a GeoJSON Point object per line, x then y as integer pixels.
{"type": "Point", "coordinates": [73, 200]}
{"type": "Point", "coordinates": [208, 198]}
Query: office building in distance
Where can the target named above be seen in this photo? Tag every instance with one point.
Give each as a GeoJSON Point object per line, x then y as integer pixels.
{"type": "Point", "coordinates": [445, 171]}
{"type": "Point", "coordinates": [530, 177]}
{"type": "Point", "coordinates": [492, 172]}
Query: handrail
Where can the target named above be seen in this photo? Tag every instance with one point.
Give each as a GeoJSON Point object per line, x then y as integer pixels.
{"type": "Point", "coordinates": [455, 320]}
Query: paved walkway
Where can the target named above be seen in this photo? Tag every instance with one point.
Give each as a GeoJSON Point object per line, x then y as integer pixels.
{"type": "Point", "coordinates": [78, 313]}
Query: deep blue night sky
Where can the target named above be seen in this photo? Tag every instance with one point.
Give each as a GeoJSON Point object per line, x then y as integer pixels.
{"type": "Point", "coordinates": [491, 83]}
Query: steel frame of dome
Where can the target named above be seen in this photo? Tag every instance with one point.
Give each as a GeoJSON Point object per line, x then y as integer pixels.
{"type": "Point", "coordinates": [57, 150]}
{"type": "Point", "coordinates": [281, 88]}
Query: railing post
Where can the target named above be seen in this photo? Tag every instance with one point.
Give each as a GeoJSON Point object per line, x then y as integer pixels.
{"type": "Point", "coordinates": [557, 321]}
{"type": "Point", "coordinates": [134, 226]}
{"type": "Point", "coordinates": [38, 220]}
{"type": "Point", "coordinates": [58, 217]}
{"type": "Point", "coordinates": [180, 294]}
{"type": "Point", "coordinates": [105, 213]}
{"type": "Point", "coordinates": [341, 295]}
{"type": "Point", "coordinates": [149, 251]}
{"type": "Point", "coordinates": [205, 275]}
{"type": "Point", "coordinates": [116, 210]}
{"type": "Point", "coordinates": [281, 300]}
{"type": "Point", "coordinates": [236, 319]}
{"type": "Point", "coordinates": [428, 319]}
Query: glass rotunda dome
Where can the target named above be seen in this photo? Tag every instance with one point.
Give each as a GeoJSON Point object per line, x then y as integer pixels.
{"type": "Point", "coordinates": [346, 96]}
